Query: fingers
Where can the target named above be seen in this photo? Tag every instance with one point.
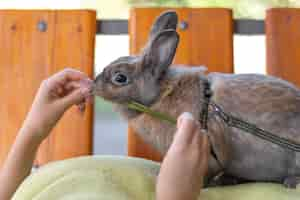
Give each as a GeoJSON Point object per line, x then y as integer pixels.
{"type": "Point", "coordinates": [88, 98]}
{"type": "Point", "coordinates": [77, 96]}
{"type": "Point", "coordinates": [72, 85]}
{"type": "Point", "coordinates": [186, 160]}
{"type": "Point", "coordinates": [65, 76]}
{"type": "Point", "coordinates": [83, 83]}
{"type": "Point", "coordinates": [69, 74]}
{"type": "Point", "coordinates": [76, 88]}
{"type": "Point", "coordinates": [186, 126]}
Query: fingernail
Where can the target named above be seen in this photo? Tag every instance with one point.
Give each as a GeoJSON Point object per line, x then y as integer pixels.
{"type": "Point", "coordinates": [81, 110]}
{"type": "Point", "coordinates": [184, 116]}
{"type": "Point", "coordinates": [204, 131]}
{"type": "Point", "coordinates": [187, 116]}
{"type": "Point", "coordinates": [85, 91]}
{"type": "Point", "coordinates": [86, 82]}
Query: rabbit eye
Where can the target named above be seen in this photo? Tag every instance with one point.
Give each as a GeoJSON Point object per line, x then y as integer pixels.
{"type": "Point", "coordinates": [120, 79]}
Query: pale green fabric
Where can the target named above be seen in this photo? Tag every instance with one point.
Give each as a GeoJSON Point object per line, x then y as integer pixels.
{"type": "Point", "coordinates": [123, 178]}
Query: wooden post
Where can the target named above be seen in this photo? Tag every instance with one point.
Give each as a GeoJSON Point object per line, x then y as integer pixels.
{"type": "Point", "coordinates": [208, 40]}
{"type": "Point", "coordinates": [34, 45]}
{"type": "Point", "coordinates": [282, 41]}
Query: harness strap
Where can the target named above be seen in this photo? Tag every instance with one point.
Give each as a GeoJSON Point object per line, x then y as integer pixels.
{"type": "Point", "coordinates": [203, 118]}
{"type": "Point", "coordinates": [207, 93]}
{"type": "Point", "coordinates": [235, 122]}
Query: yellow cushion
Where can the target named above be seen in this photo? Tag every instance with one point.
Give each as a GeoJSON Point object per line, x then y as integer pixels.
{"type": "Point", "coordinates": [123, 178]}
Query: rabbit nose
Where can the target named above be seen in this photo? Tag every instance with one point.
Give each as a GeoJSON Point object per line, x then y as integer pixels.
{"type": "Point", "coordinates": [98, 78]}
{"type": "Point", "coordinates": [93, 89]}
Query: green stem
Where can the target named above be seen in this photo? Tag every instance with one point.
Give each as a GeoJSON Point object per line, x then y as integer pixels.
{"type": "Point", "coordinates": [155, 114]}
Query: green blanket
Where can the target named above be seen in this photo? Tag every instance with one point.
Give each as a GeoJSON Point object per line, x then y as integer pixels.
{"type": "Point", "coordinates": [123, 178]}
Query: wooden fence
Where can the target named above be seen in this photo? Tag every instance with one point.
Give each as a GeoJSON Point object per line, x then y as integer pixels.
{"type": "Point", "coordinates": [34, 45]}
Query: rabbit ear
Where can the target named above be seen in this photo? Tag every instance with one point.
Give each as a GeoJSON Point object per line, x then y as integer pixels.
{"type": "Point", "coordinates": [167, 20]}
{"type": "Point", "coordinates": [160, 52]}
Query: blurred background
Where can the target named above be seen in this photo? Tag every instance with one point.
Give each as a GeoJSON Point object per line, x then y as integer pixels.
{"type": "Point", "coordinates": [110, 132]}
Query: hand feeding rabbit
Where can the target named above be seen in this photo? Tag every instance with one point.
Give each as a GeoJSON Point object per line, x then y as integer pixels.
{"type": "Point", "coordinates": [268, 102]}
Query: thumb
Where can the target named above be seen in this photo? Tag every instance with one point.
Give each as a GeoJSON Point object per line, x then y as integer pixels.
{"type": "Point", "coordinates": [186, 125]}
{"type": "Point", "coordinates": [74, 97]}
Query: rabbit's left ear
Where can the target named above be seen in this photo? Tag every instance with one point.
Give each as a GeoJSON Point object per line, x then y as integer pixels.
{"type": "Point", "coordinates": [167, 20]}
{"type": "Point", "coordinates": [159, 53]}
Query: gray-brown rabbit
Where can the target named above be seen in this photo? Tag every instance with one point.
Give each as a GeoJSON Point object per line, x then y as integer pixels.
{"type": "Point", "coordinates": [268, 102]}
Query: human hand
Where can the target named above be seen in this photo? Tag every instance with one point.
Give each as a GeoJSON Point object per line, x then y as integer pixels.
{"type": "Point", "coordinates": [186, 162]}
{"type": "Point", "coordinates": [55, 95]}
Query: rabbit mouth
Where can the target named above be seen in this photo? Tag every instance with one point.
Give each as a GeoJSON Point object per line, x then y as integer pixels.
{"type": "Point", "coordinates": [109, 97]}
{"type": "Point", "coordinates": [101, 93]}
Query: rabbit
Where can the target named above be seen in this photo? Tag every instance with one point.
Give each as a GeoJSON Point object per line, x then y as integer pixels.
{"type": "Point", "coordinates": [268, 102]}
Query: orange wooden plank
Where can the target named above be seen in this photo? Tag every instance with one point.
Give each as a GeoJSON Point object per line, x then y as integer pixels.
{"type": "Point", "coordinates": [74, 47]}
{"type": "Point", "coordinates": [21, 70]}
{"type": "Point", "coordinates": [282, 42]}
{"type": "Point", "coordinates": [211, 39]}
{"type": "Point", "coordinates": [208, 40]}
{"type": "Point", "coordinates": [27, 57]}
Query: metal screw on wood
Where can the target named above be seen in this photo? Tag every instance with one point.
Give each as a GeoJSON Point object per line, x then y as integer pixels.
{"type": "Point", "coordinates": [13, 27]}
{"type": "Point", "coordinates": [42, 26]}
{"type": "Point", "coordinates": [79, 28]}
{"type": "Point", "coordinates": [183, 25]}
